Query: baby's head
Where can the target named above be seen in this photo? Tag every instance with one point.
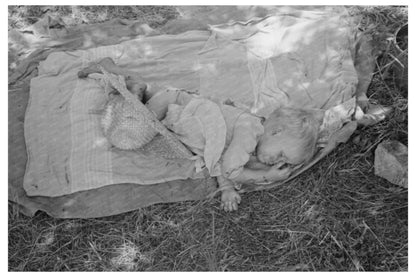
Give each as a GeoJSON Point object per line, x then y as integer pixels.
{"type": "Point", "coordinates": [290, 137]}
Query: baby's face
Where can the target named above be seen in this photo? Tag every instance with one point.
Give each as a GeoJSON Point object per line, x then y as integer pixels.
{"type": "Point", "coordinates": [278, 146]}
{"type": "Point", "coordinates": [280, 149]}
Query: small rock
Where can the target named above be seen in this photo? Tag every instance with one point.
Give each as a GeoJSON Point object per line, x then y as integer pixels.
{"type": "Point", "coordinates": [391, 162]}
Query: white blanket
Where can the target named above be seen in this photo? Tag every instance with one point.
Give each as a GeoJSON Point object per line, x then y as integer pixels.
{"type": "Point", "coordinates": [300, 59]}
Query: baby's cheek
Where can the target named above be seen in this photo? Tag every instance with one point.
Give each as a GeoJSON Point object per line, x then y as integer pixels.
{"type": "Point", "coordinates": [268, 151]}
{"type": "Point", "coordinates": [296, 156]}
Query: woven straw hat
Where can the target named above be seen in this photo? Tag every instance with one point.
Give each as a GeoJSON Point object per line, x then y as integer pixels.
{"type": "Point", "coordinates": [123, 126]}
{"type": "Point", "coordinates": [128, 124]}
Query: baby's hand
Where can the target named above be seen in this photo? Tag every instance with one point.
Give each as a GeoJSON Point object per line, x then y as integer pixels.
{"type": "Point", "coordinates": [230, 200]}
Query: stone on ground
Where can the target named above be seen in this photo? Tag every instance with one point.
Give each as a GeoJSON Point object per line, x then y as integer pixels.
{"type": "Point", "coordinates": [391, 162]}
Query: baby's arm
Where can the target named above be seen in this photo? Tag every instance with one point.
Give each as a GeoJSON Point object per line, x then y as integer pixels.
{"type": "Point", "coordinates": [229, 196]}
{"type": "Point", "coordinates": [159, 103]}
{"type": "Point", "coordinates": [255, 172]}
{"type": "Point", "coordinates": [267, 174]}
{"type": "Point", "coordinates": [238, 167]}
{"type": "Point", "coordinates": [258, 173]}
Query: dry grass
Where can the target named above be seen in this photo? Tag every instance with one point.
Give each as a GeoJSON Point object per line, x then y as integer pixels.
{"type": "Point", "coordinates": [338, 216]}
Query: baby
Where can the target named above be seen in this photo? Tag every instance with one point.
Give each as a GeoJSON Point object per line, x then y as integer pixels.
{"type": "Point", "coordinates": [257, 150]}
{"type": "Point", "coordinates": [289, 139]}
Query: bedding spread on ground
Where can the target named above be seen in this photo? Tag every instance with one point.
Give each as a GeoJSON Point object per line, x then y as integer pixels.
{"type": "Point", "coordinates": [290, 57]}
